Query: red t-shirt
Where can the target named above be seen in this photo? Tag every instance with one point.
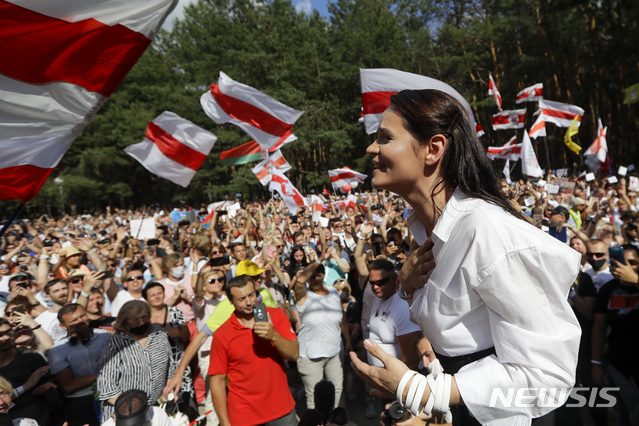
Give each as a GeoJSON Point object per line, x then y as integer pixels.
{"type": "Point", "coordinates": [258, 387]}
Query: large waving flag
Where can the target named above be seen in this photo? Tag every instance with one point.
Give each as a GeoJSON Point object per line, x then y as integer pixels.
{"type": "Point", "coordinates": [529, 163]}
{"type": "Point", "coordinates": [268, 121]}
{"type": "Point", "coordinates": [600, 146]}
{"type": "Point", "coordinates": [264, 169]}
{"type": "Point", "coordinates": [290, 195]}
{"type": "Point", "coordinates": [174, 148]}
{"type": "Point", "coordinates": [59, 62]}
{"type": "Point", "coordinates": [345, 176]}
{"type": "Point", "coordinates": [251, 151]}
{"type": "Point", "coordinates": [379, 84]}
{"type": "Point", "coordinates": [538, 128]}
{"type": "Point", "coordinates": [531, 94]}
{"type": "Point", "coordinates": [559, 113]}
{"type": "Point", "coordinates": [510, 151]}
{"type": "Point", "coordinates": [514, 119]}
{"type": "Point", "coordinates": [492, 91]}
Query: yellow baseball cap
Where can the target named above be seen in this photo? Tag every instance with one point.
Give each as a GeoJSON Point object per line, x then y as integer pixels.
{"type": "Point", "coordinates": [248, 267]}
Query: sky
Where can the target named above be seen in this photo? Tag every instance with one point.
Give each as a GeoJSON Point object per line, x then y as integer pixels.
{"type": "Point", "coordinates": [300, 5]}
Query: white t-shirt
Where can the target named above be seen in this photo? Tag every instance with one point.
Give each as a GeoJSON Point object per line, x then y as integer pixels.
{"type": "Point", "coordinates": [599, 278]}
{"type": "Point", "coordinates": [49, 322]}
{"type": "Point", "coordinates": [389, 319]}
{"type": "Point", "coordinates": [122, 297]}
{"type": "Point", "coordinates": [4, 283]}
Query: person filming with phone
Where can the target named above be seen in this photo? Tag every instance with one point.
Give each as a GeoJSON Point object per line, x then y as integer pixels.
{"type": "Point", "coordinates": [250, 349]}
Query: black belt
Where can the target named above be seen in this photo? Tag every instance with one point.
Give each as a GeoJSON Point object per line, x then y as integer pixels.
{"type": "Point", "coordinates": [452, 364]}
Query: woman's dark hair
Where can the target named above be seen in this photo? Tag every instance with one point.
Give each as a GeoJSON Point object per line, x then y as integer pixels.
{"type": "Point", "coordinates": [291, 268]}
{"type": "Point", "coordinates": [149, 286]}
{"type": "Point", "coordinates": [465, 165]}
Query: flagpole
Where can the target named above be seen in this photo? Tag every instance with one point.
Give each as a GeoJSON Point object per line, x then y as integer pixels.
{"type": "Point", "coordinates": [11, 219]}
{"type": "Point", "coordinates": [547, 154]}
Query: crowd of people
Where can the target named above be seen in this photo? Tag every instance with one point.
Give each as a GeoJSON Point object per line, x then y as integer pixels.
{"type": "Point", "coordinates": [262, 296]}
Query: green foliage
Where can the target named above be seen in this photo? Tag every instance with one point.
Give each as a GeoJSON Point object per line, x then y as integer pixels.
{"type": "Point", "coordinates": [584, 53]}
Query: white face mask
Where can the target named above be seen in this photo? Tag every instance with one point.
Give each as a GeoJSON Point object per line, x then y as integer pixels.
{"type": "Point", "coordinates": [178, 271]}
{"type": "Point", "coordinates": [253, 243]}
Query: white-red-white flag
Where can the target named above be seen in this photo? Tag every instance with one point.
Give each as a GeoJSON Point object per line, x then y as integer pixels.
{"type": "Point", "coordinates": [514, 119]}
{"type": "Point", "coordinates": [529, 163]}
{"type": "Point", "coordinates": [59, 62]}
{"type": "Point", "coordinates": [266, 120]}
{"type": "Point", "coordinates": [538, 128]}
{"type": "Point", "coordinates": [379, 84]}
{"type": "Point", "coordinates": [530, 94]}
{"type": "Point", "coordinates": [507, 172]}
{"type": "Point", "coordinates": [600, 146]}
{"type": "Point", "coordinates": [559, 113]}
{"type": "Point", "coordinates": [479, 130]}
{"type": "Point", "coordinates": [345, 176]}
{"type": "Point", "coordinates": [263, 170]}
{"type": "Point", "coordinates": [290, 195]}
{"type": "Point", "coordinates": [510, 151]}
{"type": "Point", "coordinates": [174, 148]}
{"type": "Point", "coordinates": [492, 91]}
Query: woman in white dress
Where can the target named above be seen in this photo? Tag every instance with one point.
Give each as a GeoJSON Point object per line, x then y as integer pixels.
{"type": "Point", "coordinates": [487, 289]}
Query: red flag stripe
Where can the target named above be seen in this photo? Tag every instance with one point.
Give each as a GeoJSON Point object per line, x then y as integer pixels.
{"type": "Point", "coordinates": [279, 162]}
{"type": "Point", "coordinates": [505, 150]}
{"type": "Point", "coordinates": [344, 175]}
{"type": "Point", "coordinates": [538, 126]}
{"type": "Point", "coordinates": [376, 102]}
{"type": "Point", "coordinates": [537, 92]}
{"type": "Point", "coordinates": [22, 182]}
{"type": "Point", "coordinates": [174, 149]}
{"type": "Point", "coordinates": [263, 173]}
{"type": "Point", "coordinates": [281, 141]}
{"type": "Point", "coordinates": [505, 119]}
{"type": "Point", "coordinates": [249, 114]}
{"type": "Point", "coordinates": [560, 114]}
{"type": "Point", "coordinates": [250, 147]}
{"type": "Point", "coordinates": [38, 49]}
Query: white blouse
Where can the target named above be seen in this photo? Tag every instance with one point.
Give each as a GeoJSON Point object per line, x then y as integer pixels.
{"type": "Point", "coordinates": [501, 282]}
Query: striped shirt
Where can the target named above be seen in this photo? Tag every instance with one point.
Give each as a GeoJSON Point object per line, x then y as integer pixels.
{"type": "Point", "coordinates": [126, 365]}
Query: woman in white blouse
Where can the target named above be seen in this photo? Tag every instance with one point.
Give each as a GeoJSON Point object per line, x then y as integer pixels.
{"type": "Point", "coordinates": [488, 289]}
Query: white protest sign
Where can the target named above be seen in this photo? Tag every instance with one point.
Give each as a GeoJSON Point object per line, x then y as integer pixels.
{"type": "Point", "coordinates": [634, 183]}
{"type": "Point", "coordinates": [553, 203]}
{"type": "Point", "coordinates": [562, 172]}
{"type": "Point", "coordinates": [143, 229]}
{"type": "Point", "coordinates": [590, 176]}
{"type": "Point", "coordinates": [582, 174]}
{"type": "Point", "coordinates": [232, 210]}
{"type": "Point", "coordinates": [317, 215]}
{"type": "Point", "coordinates": [613, 179]}
{"type": "Point", "coordinates": [529, 201]}
{"type": "Point", "coordinates": [541, 183]}
{"type": "Point", "coordinates": [631, 167]}
{"type": "Point", "coordinates": [553, 189]}
{"type": "Point", "coordinates": [324, 222]}
{"type": "Point", "coordinates": [622, 171]}
{"type": "Point", "coordinates": [545, 228]}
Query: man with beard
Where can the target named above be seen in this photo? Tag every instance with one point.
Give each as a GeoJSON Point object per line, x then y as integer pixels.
{"type": "Point", "coordinates": [75, 364]}
{"type": "Point", "coordinates": [28, 373]}
{"type": "Point", "coordinates": [598, 258]}
{"type": "Point", "coordinates": [58, 291]}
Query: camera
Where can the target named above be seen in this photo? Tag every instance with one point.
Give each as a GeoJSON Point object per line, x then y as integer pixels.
{"type": "Point", "coordinates": [259, 313]}
{"type": "Point", "coordinates": [395, 413]}
{"type": "Point", "coordinates": [219, 261]}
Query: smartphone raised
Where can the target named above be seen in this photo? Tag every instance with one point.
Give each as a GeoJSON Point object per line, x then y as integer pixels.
{"type": "Point", "coordinates": [377, 249]}
{"type": "Point", "coordinates": [259, 313]}
{"type": "Point", "coordinates": [617, 254]}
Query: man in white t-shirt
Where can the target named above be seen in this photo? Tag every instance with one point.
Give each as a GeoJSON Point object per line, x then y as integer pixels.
{"type": "Point", "coordinates": [133, 283]}
{"type": "Point", "coordinates": [389, 325]}
{"type": "Point", "coordinates": [58, 291]}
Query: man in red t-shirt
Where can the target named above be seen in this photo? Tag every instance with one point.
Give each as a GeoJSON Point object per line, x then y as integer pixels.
{"type": "Point", "coordinates": [250, 353]}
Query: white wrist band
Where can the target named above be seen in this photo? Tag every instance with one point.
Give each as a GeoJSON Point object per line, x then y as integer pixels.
{"type": "Point", "coordinates": [417, 400]}
{"type": "Point", "coordinates": [84, 294]}
{"type": "Point", "coordinates": [402, 385]}
{"type": "Point", "coordinates": [412, 391]}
